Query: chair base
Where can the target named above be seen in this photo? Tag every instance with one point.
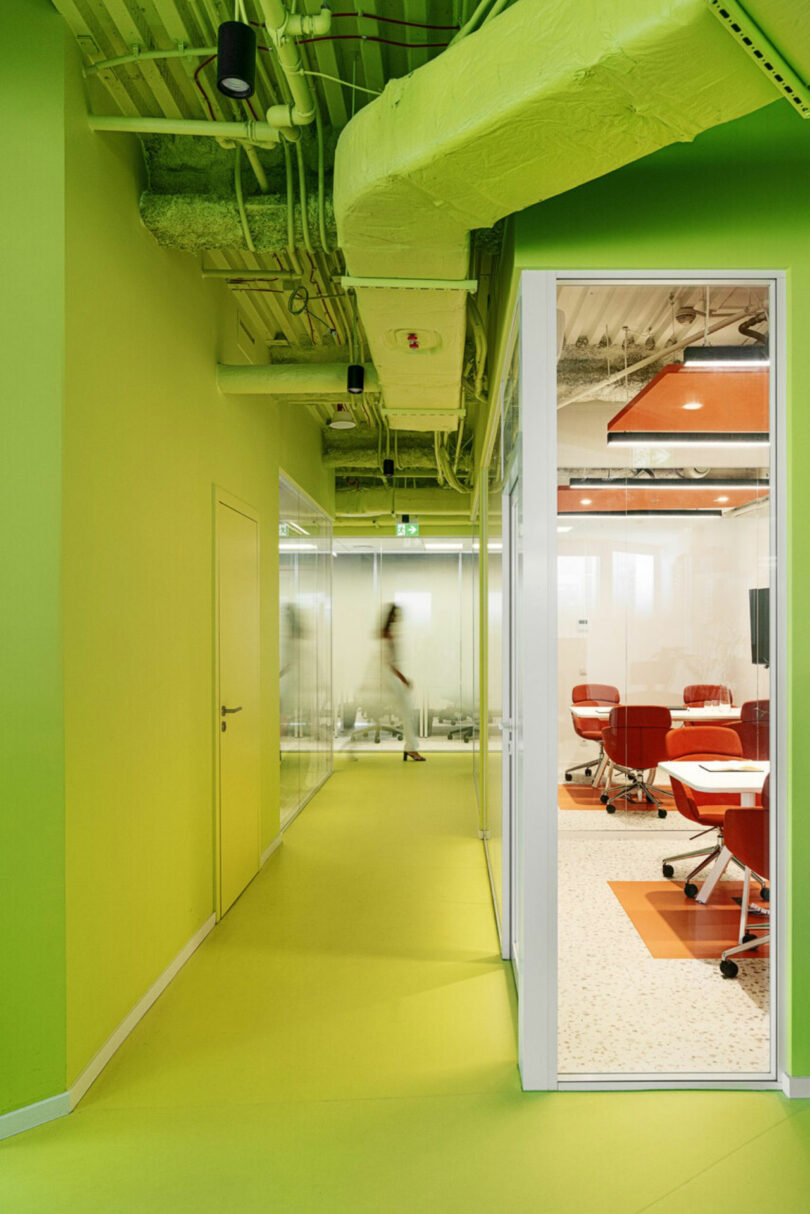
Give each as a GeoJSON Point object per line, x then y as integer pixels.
{"type": "Point", "coordinates": [747, 939]}
{"type": "Point", "coordinates": [644, 789]}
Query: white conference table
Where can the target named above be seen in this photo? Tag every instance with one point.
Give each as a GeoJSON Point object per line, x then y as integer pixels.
{"type": "Point", "coordinates": [720, 712]}
{"type": "Point", "coordinates": [705, 777]}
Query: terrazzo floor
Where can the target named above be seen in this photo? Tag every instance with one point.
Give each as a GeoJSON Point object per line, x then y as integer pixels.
{"type": "Point", "coordinates": [621, 1011]}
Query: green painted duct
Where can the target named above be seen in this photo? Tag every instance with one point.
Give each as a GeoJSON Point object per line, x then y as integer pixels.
{"type": "Point", "coordinates": [289, 379]}
{"type": "Point", "coordinates": [355, 449]}
{"type": "Point", "coordinates": [545, 97]}
{"type": "Point", "coordinates": [373, 503]}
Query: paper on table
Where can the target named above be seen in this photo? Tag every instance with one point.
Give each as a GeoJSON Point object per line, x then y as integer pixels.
{"type": "Point", "coordinates": [718, 765]}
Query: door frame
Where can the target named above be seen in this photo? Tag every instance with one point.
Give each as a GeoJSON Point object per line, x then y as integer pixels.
{"type": "Point", "coordinates": [538, 982]}
{"type": "Point", "coordinates": [222, 497]}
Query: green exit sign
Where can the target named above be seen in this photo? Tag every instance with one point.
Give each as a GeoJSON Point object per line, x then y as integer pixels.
{"type": "Point", "coordinates": [407, 528]}
{"type": "Point", "coordinates": [284, 529]}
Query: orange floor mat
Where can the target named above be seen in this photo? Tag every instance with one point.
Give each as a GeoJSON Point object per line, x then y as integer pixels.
{"type": "Point", "coordinates": [578, 796]}
{"type": "Point", "coordinates": [675, 927]}
{"type": "Point", "coordinates": [584, 796]}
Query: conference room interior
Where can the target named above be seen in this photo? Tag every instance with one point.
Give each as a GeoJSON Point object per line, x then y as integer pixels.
{"type": "Point", "coordinates": [665, 559]}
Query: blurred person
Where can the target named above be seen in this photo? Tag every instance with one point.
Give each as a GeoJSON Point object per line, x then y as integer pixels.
{"type": "Point", "coordinates": [386, 687]}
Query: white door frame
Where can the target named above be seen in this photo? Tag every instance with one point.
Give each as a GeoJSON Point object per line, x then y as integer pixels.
{"type": "Point", "coordinates": [537, 987]}
{"type": "Point", "coordinates": [509, 720]}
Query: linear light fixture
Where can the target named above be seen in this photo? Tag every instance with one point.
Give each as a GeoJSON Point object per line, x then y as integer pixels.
{"type": "Point", "coordinates": [443, 546]}
{"type": "Point", "coordinates": [638, 482]}
{"type": "Point", "coordinates": [709, 357]}
{"type": "Point", "coordinates": [567, 515]}
{"type": "Point", "coordinates": [660, 438]}
{"type": "Point", "coordinates": [297, 546]}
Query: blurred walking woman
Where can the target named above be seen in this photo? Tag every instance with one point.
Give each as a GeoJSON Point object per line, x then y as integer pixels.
{"type": "Point", "coordinates": [395, 686]}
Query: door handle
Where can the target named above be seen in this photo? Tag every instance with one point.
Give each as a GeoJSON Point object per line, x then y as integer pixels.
{"type": "Point", "coordinates": [505, 725]}
{"type": "Point", "coordinates": [226, 711]}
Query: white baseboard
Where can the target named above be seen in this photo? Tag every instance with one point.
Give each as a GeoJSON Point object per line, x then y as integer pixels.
{"type": "Point", "coordinates": [34, 1114]}
{"type": "Point", "coordinates": [97, 1064]}
{"type": "Point", "coordinates": [271, 847]}
{"type": "Point", "coordinates": [796, 1087]}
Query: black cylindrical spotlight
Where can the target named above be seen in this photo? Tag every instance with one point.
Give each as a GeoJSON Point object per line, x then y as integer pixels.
{"type": "Point", "coordinates": [355, 378]}
{"type": "Point", "coordinates": [388, 467]}
{"type": "Point", "coordinates": [236, 59]}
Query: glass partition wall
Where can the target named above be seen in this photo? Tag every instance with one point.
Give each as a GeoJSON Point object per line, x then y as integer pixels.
{"type": "Point", "coordinates": [664, 563]}
{"type": "Point", "coordinates": [431, 581]}
{"type": "Point", "coordinates": [305, 624]}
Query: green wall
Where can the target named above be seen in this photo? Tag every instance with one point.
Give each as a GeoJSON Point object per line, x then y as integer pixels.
{"type": "Point", "coordinates": [32, 938]}
{"type": "Point", "coordinates": [114, 435]}
{"type": "Point", "coordinates": [147, 436]}
{"type": "Point", "coordinates": [737, 198]}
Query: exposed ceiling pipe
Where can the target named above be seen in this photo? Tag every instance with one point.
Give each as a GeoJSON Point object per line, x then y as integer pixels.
{"type": "Point", "coordinates": [289, 379]}
{"type": "Point", "coordinates": [593, 390]}
{"type": "Point", "coordinates": [474, 135]}
{"type": "Point", "coordinates": [260, 133]}
{"type": "Point", "coordinates": [282, 27]}
{"type": "Point", "coordinates": [747, 330]}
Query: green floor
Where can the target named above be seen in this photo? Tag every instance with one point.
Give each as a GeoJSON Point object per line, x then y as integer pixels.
{"type": "Point", "coordinates": [344, 1041]}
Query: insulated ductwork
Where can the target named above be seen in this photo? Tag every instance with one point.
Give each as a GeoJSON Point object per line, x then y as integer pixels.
{"type": "Point", "coordinates": [312, 380]}
{"type": "Point", "coordinates": [377, 503]}
{"type": "Point", "coordinates": [549, 95]}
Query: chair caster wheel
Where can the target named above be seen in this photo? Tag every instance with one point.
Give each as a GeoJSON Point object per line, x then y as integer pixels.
{"type": "Point", "coordinates": [568, 776]}
{"type": "Point", "coordinates": [603, 797]}
{"type": "Point", "coordinates": [690, 890]}
{"type": "Point", "coordinates": [765, 894]}
{"type": "Point", "coordinates": [611, 809]}
{"type": "Point", "coordinates": [728, 969]}
{"type": "Point", "coordinates": [668, 871]}
{"type": "Point", "coordinates": [748, 937]}
{"type": "Point", "coordinates": [588, 771]}
{"type": "Point", "coordinates": [662, 813]}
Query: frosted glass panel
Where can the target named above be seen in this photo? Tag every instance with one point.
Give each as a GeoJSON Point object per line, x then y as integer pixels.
{"type": "Point", "coordinates": [305, 670]}
{"type": "Point", "coordinates": [432, 641]}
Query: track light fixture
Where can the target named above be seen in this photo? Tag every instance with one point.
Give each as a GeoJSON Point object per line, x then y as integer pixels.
{"type": "Point", "coordinates": [342, 419]}
{"type": "Point", "coordinates": [236, 59]}
{"type": "Point", "coordinates": [355, 378]}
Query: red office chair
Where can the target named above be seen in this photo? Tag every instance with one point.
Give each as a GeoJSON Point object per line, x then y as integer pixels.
{"type": "Point", "coordinates": [590, 728]}
{"type": "Point", "coordinates": [695, 695]}
{"type": "Point", "coordinates": [635, 742]}
{"type": "Point", "coordinates": [754, 729]}
{"type": "Point", "coordinates": [747, 832]}
{"type": "Point", "coordinates": [706, 809]}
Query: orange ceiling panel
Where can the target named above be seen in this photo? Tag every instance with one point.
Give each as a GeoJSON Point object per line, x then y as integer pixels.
{"type": "Point", "coordinates": [653, 497]}
{"type": "Point", "coordinates": [732, 402]}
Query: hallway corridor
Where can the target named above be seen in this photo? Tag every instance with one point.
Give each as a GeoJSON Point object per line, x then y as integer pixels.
{"type": "Point", "coordinates": [345, 1041]}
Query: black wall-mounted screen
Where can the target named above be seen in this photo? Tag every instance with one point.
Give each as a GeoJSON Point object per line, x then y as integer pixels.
{"type": "Point", "coordinates": [760, 616]}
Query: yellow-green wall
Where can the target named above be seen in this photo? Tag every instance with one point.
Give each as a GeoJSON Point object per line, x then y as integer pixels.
{"type": "Point", "coordinates": [737, 198]}
{"type": "Point", "coordinates": [147, 436]}
{"type": "Point", "coordinates": [114, 436]}
{"type": "Point", "coordinates": [32, 941]}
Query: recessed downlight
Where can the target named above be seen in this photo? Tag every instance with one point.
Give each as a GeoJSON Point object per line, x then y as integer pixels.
{"type": "Point", "coordinates": [721, 499]}
{"type": "Point", "coordinates": [692, 404]}
{"type": "Point", "coordinates": [585, 501]}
